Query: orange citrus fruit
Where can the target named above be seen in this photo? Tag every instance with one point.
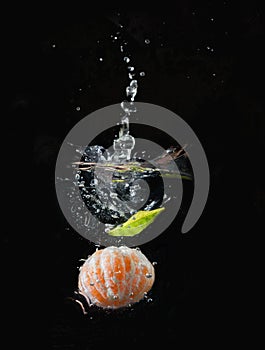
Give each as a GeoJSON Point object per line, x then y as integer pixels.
{"type": "Point", "coordinates": [114, 277]}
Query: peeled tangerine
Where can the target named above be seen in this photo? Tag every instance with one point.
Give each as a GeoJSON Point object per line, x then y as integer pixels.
{"type": "Point", "coordinates": [114, 277]}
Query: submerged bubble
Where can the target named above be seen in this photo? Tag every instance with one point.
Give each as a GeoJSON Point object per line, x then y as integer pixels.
{"type": "Point", "coordinates": [147, 41]}
{"type": "Point", "coordinates": [131, 69]}
{"type": "Point", "coordinates": [142, 74]}
{"type": "Point", "coordinates": [128, 107]}
{"type": "Point", "coordinates": [126, 59]}
{"type": "Point", "coordinates": [131, 92]}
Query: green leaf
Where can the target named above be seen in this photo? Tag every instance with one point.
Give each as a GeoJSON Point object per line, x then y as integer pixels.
{"type": "Point", "coordinates": [137, 223]}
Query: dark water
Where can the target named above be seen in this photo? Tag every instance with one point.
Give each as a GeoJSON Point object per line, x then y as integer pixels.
{"type": "Point", "coordinates": [195, 297]}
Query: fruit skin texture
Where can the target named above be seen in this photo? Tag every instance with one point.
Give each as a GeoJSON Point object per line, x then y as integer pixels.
{"type": "Point", "coordinates": [115, 277]}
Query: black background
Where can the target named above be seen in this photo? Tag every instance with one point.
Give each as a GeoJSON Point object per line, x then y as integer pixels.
{"type": "Point", "coordinates": [219, 93]}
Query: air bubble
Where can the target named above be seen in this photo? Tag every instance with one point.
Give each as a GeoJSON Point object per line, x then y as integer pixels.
{"type": "Point", "coordinates": [93, 182]}
{"type": "Point", "coordinates": [142, 74]}
{"type": "Point", "coordinates": [147, 41]}
{"type": "Point", "coordinates": [148, 275]}
{"type": "Point", "coordinates": [126, 59]}
{"type": "Point", "coordinates": [78, 108]}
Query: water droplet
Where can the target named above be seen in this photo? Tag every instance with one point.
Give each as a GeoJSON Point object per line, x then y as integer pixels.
{"type": "Point", "coordinates": [91, 283]}
{"type": "Point", "coordinates": [126, 59]}
{"type": "Point", "coordinates": [77, 176]}
{"type": "Point", "coordinates": [78, 108]}
{"type": "Point", "coordinates": [131, 294]}
{"type": "Point", "coordinates": [115, 297]}
{"type": "Point", "coordinates": [142, 74]}
{"type": "Point", "coordinates": [148, 275]}
{"type": "Point", "coordinates": [97, 281]}
{"type": "Point", "coordinates": [147, 41]}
